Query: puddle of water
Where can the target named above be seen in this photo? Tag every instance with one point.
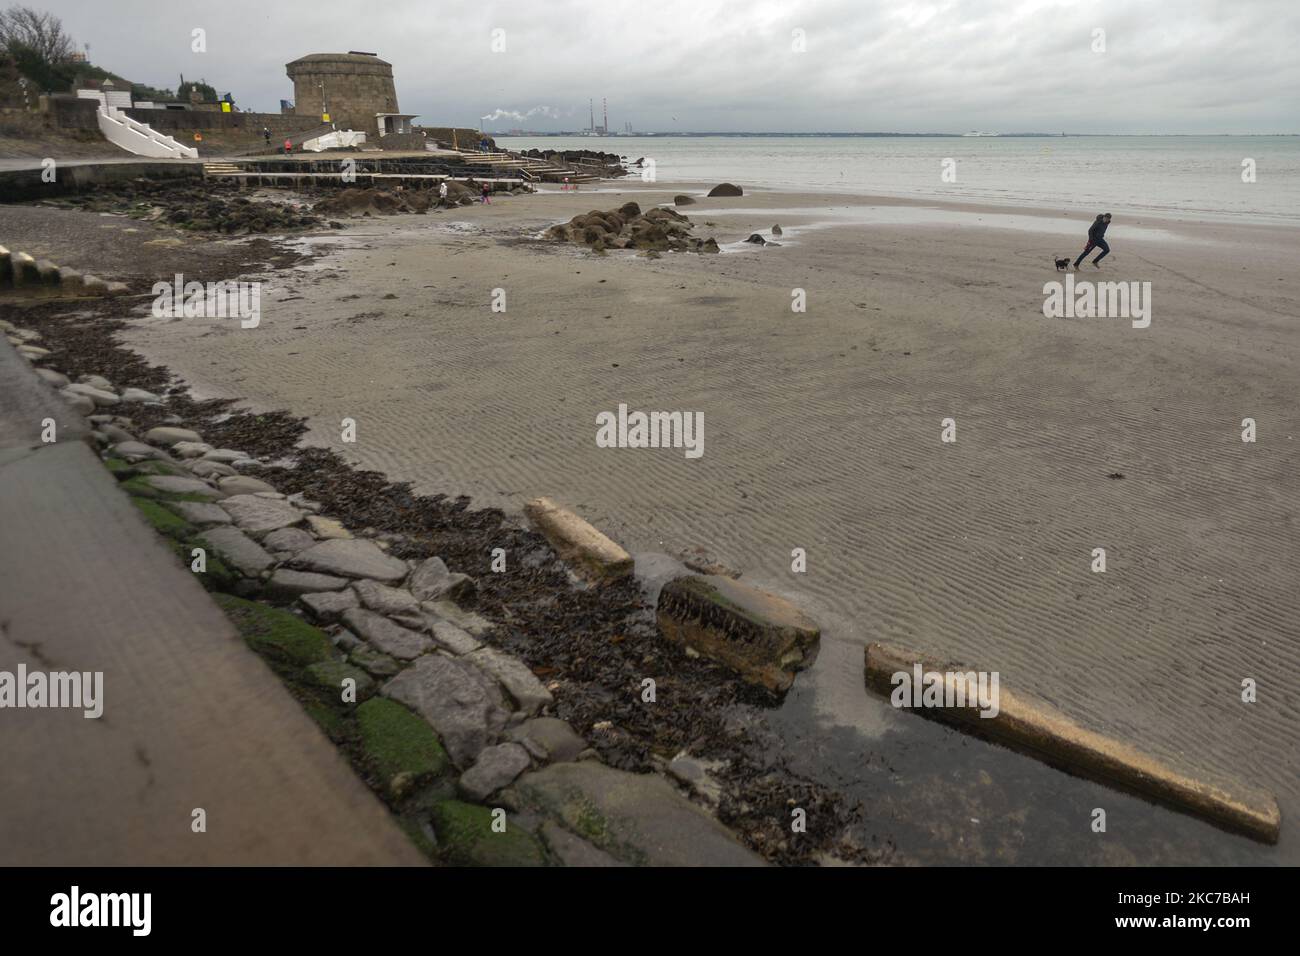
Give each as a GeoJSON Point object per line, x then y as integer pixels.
{"type": "Point", "coordinates": [943, 797]}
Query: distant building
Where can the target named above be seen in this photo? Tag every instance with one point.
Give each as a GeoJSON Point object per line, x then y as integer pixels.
{"type": "Point", "coordinates": [355, 90]}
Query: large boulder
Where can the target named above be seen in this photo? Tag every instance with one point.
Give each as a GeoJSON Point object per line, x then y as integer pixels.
{"type": "Point", "coordinates": [726, 189]}
{"type": "Point", "coordinates": [639, 819]}
{"type": "Point", "coordinates": [259, 516]}
{"type": "Point", "coordinates": [393, 639]}
{"type": "Point", "coordinates": [460, 702]}
{"type": "Point", "coordinates": [351, 558]}
{"type": "Point", "coordinates": [431, 581]}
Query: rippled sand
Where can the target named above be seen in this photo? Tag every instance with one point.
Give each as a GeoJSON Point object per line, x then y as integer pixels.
{"type": "Point", "coordinates": [822, 431]}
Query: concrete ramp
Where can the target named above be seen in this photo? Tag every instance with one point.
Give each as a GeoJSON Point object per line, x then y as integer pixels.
{"type": "Point", "coordinates": [192, 719]}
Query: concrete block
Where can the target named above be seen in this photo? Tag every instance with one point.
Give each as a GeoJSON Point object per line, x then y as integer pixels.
{"type": "Point", "coordinates": [593, 555]}
{"type": "Point", "coordinates": [1038, 729]}
{"type": "Point", "coordinates": [764, 638]}
{"type": "Point", "coordinates": [25, 272]}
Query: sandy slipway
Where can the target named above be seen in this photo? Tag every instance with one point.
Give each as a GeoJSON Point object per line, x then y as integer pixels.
{"type": "Point", "coordinates": [335, 574]}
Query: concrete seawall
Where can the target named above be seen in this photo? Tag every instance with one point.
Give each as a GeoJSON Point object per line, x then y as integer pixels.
{"type": "Point", "coordinates": [81, 176]}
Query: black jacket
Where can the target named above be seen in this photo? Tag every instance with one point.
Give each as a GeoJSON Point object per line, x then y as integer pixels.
{"type": "Point", "coordinates": [1097, 230]}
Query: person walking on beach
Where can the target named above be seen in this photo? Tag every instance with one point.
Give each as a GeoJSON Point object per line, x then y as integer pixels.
{"type": "Point", "coordinates": [442, 191]}
{"type": "Point", "coordinates": [486, 200]}
{"type": "Point", "coordinates": [266, 134]}
{"type": "Point", "coordinates": [1096, 240]}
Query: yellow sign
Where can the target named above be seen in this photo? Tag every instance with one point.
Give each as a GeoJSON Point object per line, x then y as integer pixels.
{"type": "Point", "coordinates": [324, 117]}
{"type": "Point", "coordinates": [225, 107]}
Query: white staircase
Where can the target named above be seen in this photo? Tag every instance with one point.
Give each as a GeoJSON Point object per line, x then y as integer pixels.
{"type": "Point", "coordinates": [139, 138]}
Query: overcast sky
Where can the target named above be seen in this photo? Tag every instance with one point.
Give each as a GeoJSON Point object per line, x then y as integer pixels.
{"type": "Point", "coordinates": [1173, 66]}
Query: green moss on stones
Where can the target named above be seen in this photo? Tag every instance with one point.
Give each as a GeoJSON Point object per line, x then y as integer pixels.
{"type": "Point", "coordinates": [376, 662]}
{"type": "Point", "coordinates": [416, 834]}
{"type": "Point", "coordinates": [164, 521]}
{"type": "Point", "coordinates": [466, 838]}
{"type": "Point", "coordinates": [396, 741]}
{"type": "Point", "coordinates": [120, 468]}
{"type": "Point", "coordinates": [589, 823]}
{"type": "Point", "coordinates": [154, 467]}
{"type": "Point", "coordinates": [217, 576]}
{"type": "Point", "coordinates": [329, 719]}
{"type": "Point", "coordinates": [328, 676]}
{"type": "Point", "coordinates": [276, 634]}
{"type": "Point", "coordinates": [139, 487]}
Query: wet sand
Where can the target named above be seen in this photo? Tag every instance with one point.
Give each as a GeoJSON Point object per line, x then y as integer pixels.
{"type": "Point", "coordinates": [822, 431]}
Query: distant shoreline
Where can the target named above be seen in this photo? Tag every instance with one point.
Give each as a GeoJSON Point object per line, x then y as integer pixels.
{"type": "Point", "coordinates": [684, 135]}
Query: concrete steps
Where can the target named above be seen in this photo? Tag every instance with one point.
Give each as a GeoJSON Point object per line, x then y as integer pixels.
{"type": "Point", "coordinates": [217, 170]}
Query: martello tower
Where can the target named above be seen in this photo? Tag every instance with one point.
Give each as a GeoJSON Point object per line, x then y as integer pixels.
{"type": "Point", "coordinates": [353, 88]}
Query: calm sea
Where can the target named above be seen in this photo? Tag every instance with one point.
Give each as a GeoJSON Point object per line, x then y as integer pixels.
{"type": "Point", "coordinates": [1197, 177]}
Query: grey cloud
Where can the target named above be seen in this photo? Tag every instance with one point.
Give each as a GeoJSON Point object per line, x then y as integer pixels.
{"type": "Point", "coordinates": [1179, 66]}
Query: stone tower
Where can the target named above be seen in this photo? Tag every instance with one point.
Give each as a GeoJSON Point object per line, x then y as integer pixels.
{"type": "Point", "coordinates": [351, 87]}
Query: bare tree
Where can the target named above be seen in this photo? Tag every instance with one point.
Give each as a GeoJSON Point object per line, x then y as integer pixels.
{"type": "Point", "coordinates": [40, 33]}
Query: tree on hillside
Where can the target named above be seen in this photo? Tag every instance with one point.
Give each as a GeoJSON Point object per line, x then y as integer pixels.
{"type": "Point", "coordinates": [34, 44]}
{"type": "Point", "coordinates": [142, 91]}
{"type": "Point", "coordinates": [207, 94]}
{"type": "Point", "coordinates": [41, 34]}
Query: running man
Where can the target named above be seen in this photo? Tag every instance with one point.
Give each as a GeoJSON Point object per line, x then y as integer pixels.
{"type": "Point", "coordinates": [1096, 240]}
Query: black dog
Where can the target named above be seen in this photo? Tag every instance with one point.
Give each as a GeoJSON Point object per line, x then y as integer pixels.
{"type": "Point", "coordinates": [1062, 264]}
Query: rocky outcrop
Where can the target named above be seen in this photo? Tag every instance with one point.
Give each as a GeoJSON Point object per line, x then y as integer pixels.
{"type": "Point", "coordinates": [726, 189]}
{"type": "Point", "coordinates": [369, 201]}
{"type": "Point", "coordinates": [657, 230]}
{"type": "Point", "coordinates": [205, 206]}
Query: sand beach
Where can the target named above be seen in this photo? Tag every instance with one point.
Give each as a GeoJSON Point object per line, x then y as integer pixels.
{"type": "Point", "coordinates": [823, 432]}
